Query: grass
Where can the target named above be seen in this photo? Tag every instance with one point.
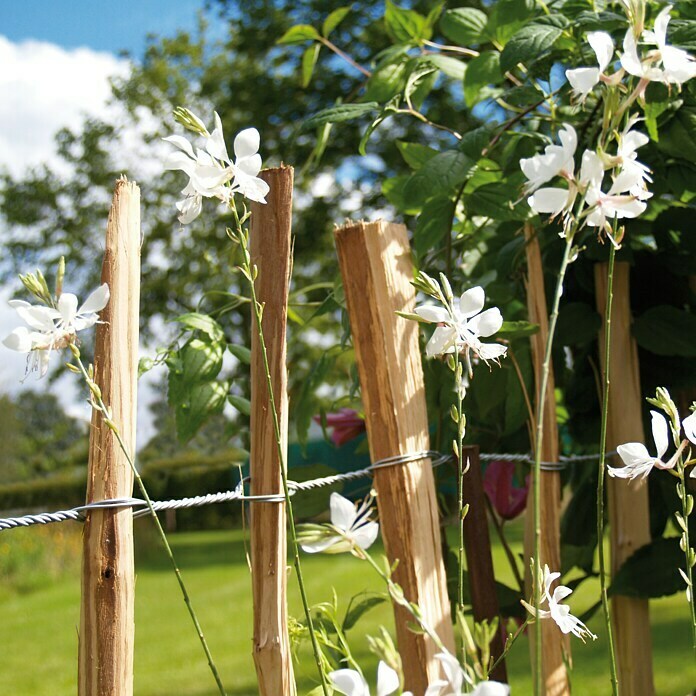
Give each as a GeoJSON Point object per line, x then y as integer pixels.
{"type": "Point", "coordinates": [40, 624]}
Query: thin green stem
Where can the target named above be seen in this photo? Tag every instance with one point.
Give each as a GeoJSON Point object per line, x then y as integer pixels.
{"type": "Point", "coordinates": [508, 646]}
{"type": "Point", "coordinates": [688, 551]}
{"type": "Point", "coordinates": [460, 486]}
{"type": "Point", "coordinates": [136, 475]}
{"type": "Point", "coordinates": [546, 368]}
{"type": "Point", "coordinates": [281, 458]}
{"type": "Point", "coordinates": [602, 470]}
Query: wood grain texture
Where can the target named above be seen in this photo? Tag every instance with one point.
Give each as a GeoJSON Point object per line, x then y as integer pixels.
{"type": "Point", "coordinates": [106, 618]}
{"type": "Point", "coordinates": [376, 268]}
{"type": "Point", "coordinates": [479, 560]}
{"type": "Point", "coordinates": [629, 517]}
{"type": "Point", "coordinates": [270, 247]}
{"type": "Point", "coordinates": [554, 643]}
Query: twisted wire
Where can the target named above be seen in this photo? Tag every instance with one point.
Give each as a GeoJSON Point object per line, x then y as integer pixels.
{"type": "Point", "coordinates": [140, 507]}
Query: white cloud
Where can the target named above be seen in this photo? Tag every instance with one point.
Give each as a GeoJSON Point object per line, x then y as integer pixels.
{"type": "Point", "coordinates": [44, 88]}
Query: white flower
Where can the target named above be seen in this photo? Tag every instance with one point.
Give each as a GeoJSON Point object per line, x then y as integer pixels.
{"type": "Point", "coordinates": [351, 525]}
{"type": "Point", "coordinates": [560, 613]}
{"type": "Point", "coordinates": [635, 456]}
{"type": "Point", "coordinates": [462, 328]}
{"type": "Point", "coordinates": [455, 679]}
{"type": "Point", "coordinates": [689, 425]}
{"type": "Point", "coordinates": [210, 170]}
{"type": "Point", "coordinates": [53, 328]}
{"type": "Point", "coordinates": [351, 683]}
{"type": "Point", "coordinates": [556, 160]}
{"type": "Point", "coordinates": [583, 80]}
{"type": "Point", "coordinates": [677, 65]}
{"type": "Point", "coordinates": [627, 157]}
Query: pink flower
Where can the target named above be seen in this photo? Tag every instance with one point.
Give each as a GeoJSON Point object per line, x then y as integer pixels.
{"type": "Point", "coordinates": [346, 425]}
{"type": "Point", "coordinates": [507, 499]}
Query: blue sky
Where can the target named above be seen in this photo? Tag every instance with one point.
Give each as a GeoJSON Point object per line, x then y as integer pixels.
{"type": "Point", "coordinates": [103, 26]}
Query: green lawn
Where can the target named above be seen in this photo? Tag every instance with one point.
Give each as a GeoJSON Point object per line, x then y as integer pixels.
{"type": "Point", "coordinates": [39, 655]}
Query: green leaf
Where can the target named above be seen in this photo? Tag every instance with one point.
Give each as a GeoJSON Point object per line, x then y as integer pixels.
{"type": "Point", "coordinates": [299, 34]}
{"type": "Point", "coordinates": [337, 114]}
{"type": "Point", "coordinates": [496, 200]}
{"type": "Point", "coordinates": [440, 175]}
{"type": "Point", "coordinates": [334, 19]}
{"type": "Point", "coordinates": [578, 323]}
{"type": "Point", "coordinates": [309, 60]}
{"type": "Point", "coordinates": [415, 155]}
{"type": "Point", "coordinates": [464, 25]}
{"type": "Point", "coordinates": [394, 190]}
{"type": "Point", "coordinates": [506, 17]}
{"type": "Point", "coordinates": [242, 353]}
{"type": "Point", "coordinates": [204, 400]}
{"type": "Point", "coordinates": [434, 222]}
{"type": "Point", "coordinates": [405, 25]}
{"type": "Point", "coordinates": [651, 571]}
{"type": "Point", "coordinates": [474, 141]}
{"type": "Point", "coordinates": [452, 67]}
{"type": "Point", "coordinates": [359, 605]}
{"type": "Point", "coordinates": [528, 44]}
{"type": "Point", "coordinates": [240, 403]}
{"type": "Point", "coordinates": [678, 137]}
{"type": "Point", "coordinates": [517, 329]}
{"type": "Point", "coordinates": [201, 322]}
{"type": "Point", "coordinates": [666, 330]}
{"type": "Point", "coordinates": [200, 361]}
{"type": "Point", "coordinates": [482, 71]}
{"type": "Point", "coordinates": [387, 80]}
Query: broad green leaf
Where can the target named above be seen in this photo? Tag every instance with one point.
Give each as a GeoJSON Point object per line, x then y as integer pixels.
{"type": "Point", "coordinates": [405, 25]}
{"type": "Point", "coordinates": [201, 322]}
{"type": "Point", "coordinates": [415, 154]}
{"type": "Point", "coordinates": [299, 34]}
{"type": "Point", "coordinates": [387, 80]}
{"type": "Point", "coordinates": [599, 21]}
{"type": "Point", "coordinates": [496, 201]}
{"type": "Point", "coordinates": [452, 67]}
{"type": "Point", "coordinates": [507, 16]}
{"type": "Point", "coordinates": [242, 353]}
{"type": "Point", "coordinates": [420, 81]}
{"type": "Point", "coordinates": [464, 25]}
{"type": "Point", "coordinates": [578, 323]}
{"type": "Point", "coordinates": [337, 114]}
{"type": "Point", "coordinates": [309, 60]}
{"type": "Point", "coordinates": [651, 571]}
{"type": "Point", "coordinates": [394, 191]}
{"type": "Point", "coordinates": [200, 361]}
{"type": "Point", "coordinates": [475, 141]}
{"type": "Point", "coordinates": [517, 329]}
{"type": "Point", "coordinates": [440, 175]}
{"type": "Point", "coordinates": [482, 71]}
{"type": "Point", "coordinates": [203, 401]}
{"type": "Point", "coordinates": [387, 111]}
{"type": "Point", "coordinates": [334, 19]}
{"type": "Point", "coordinates": [528, 44]}
{"type": "Point", "coordinates": [666, 330]}
{"type": "Point", "coordinates": [360, 605]}
{"type": "Point", "coordinates": [434, 222]}
{"type": "Point", "coordinates": [678, 136]}
{"type": "Point", "coordinates": [240, 403]}
{"type": "Point", "coordinates": [683, 34]}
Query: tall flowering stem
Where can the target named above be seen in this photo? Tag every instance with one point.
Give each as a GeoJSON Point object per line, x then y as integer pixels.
{"type": "Point", "coordinates": [240, 235]}
{"type": "Point", "coordinates": [98, 404]}
{"type": "Point", "coordinates": [567, 257]}
{"type": "Point", "coordinates": [687, 501]}
{"type": "Point", "coordinates": [601, 473]}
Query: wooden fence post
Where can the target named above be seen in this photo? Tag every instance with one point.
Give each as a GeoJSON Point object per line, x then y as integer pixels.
{"type": "Point", "coordinates": [553, 643]}
{"type": "Point", "coordinates": [270, 248]}
{"type": "Point", "coordinates": [479, 560]}
{"type": "Point", "coordinates": [376, 267]}
{"type": "Point", "coordinates": [629, 517]}
{"type": "Point", "coordinates": [106, 618]}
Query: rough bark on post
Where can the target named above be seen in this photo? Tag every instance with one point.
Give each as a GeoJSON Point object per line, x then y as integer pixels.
{"type": "Point", "coordinates": [554, 643]}
{"type": "Point", "coordinates": [479, 560]}
{"type": "Point", "coordinates": [106, 618]}
{"type": "Point", "coordinates": [629, 517]}
{"type": "Point", "coordinates": [270, 248]}
{"type": "Point", "coordinates": [376, 267]}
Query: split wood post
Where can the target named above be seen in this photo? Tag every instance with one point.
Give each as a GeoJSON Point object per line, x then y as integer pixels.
{"type": "Point", "coordinates": [106, 638]}
{"type": "Point", "coordinates": [375, 262]}
{"type": "Point", "coordinates": [270, 248]}
{"type": "Point", "coordinates": [553, 643]}
{"type": "Point", "coordinates": [629, 517]}
{"type": "Point", "coordinates": [479, 560]}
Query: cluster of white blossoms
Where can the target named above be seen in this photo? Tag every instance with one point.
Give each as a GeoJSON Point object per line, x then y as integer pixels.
{"type": "Point", "coordinates": [211, 172]}
{"type": "Point", "coordinates": [53, 328]}
{"type": "Point", "coordinates": [664, 63]}
{"type": "Point", "coordinates": [461, 326]}
{"type": "Point", "coordinates": [560, 613]}
{"type": "Point", "coordinates": [638, 462]}
{"type": "Point", "coordinates": [625, 197]}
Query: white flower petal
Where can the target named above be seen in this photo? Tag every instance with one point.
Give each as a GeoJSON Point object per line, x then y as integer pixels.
{"type": "Point", "coordinates": [349, 682]}
{"type": "Point", "coordinates": [603, 46]}
{"type": "Point", "coordinates": [583, 80]}
{"type": "Point", "coordinates": [549, 200]}
{"type": "Point", "coordinates": [487, 323]}
{"type": "Point", "coordinates": [20, 340]}
{"type": "Point", "coordinates": [491, 351]}
{"type": "Point", "coordinates": [343, 512]}
{"type": "Point", "coordinates": [215, 144]}
{"type": "Point", "coordinates": [387, 680]}
{"type": "Point", "coordinates": [67, 306]}
{"type": "Point", "coordinates": [689, 424]}
{"type": "Point", "coordinates": [433, 314]}
{"type": "Point", "coordinates": [366, 535]}
{"type": "Point", "coordinates": [249, 165]}
{"type": "Point", "coordinates": [319, 545]}
{"type": "Point", "coordinates": [442, 341]}
{"type": "Point", "coordinates": [491, 688]}
{"type": "Point", "coordinates": [633, 453]}
{"type": "Point", "coordinates": [660, 431]}
{"type": "Point", "coordinates": [591, 169]}
{"type": "Point", "coordinates": [96, 301]}
{"type": "Point", "coordinates": [181, 142]}
{"type": "Point", "coordinates": [38, 317]}
{"type": "Point", "coordinates": [471, 302]}
{"type": "Point", "coordinates": [247, 143]}
{"type": "Point", "coordinates": [190, 208]}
